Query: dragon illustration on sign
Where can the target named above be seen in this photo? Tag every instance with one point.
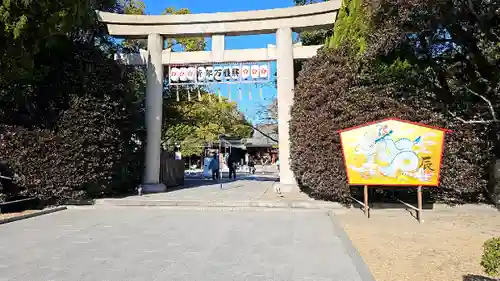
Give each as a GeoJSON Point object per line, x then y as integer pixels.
{"type": "Point", "coordinates": [393, 152]}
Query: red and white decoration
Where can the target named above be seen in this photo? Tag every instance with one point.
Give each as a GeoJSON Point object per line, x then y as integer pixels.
{"type": "Point", "coordinates": [183, 74]}
{"type": "Point", "coordinates": [191, 73]}
{"type": "Point", "coordinates": [225, 73]}
{"type": "Point", "coordinates": [174, 74]}
{"type": "Point", "coordinates": [245, 72]}
{"type": "Point", "coordinates": [263, 71]}
{"type": "Point", "coordinates": [255, 71]}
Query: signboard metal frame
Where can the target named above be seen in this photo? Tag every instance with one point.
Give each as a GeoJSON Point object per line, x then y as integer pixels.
{"type": "Point", "coordinates": [385, 133]}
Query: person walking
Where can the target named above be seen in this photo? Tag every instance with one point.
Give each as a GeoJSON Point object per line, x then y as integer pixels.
{"type": "Point", "coordinates": [251, 165]}
{"type": "Point", "coordinates": [214, 167]}
{"type": "Point", "coordinates": [231, 163]}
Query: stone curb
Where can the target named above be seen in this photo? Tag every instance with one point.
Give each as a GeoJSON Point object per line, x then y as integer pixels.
{"type": "Point", "coordinates": [35, 214]}
{"type": "Point", "coordinates": [360, 265]}
{"type": "Point", "coordinates": [269, 204]}
{"type": "Point", "coordinates": [186, 203]}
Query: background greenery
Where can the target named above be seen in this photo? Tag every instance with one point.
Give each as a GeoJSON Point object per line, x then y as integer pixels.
{"type": "Point", "coordinates": [72, 118]}
{"type": "Point", "coordinates": [434, 62]}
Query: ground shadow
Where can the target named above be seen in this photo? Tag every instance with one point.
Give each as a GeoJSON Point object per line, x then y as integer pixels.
{"type": "Point", "coordinates": [387, 197]}
{"type": "Point", "coordinates": [470, 277]}
{"type": "Point", "coordinates": [201, 182]}
{"type": "Point", "coordinates": [188, 183]}
{"type": "Point", "coordinates": [20, 204]}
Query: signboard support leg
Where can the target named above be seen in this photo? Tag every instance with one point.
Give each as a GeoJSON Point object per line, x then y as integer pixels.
{"type": "Point", "coordinates": [365, 197]}
{"type": "Point", "coordinates": [419, 202]}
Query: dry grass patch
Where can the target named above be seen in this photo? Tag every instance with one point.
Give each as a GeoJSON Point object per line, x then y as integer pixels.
{"type": "Point", "coordinates": [446, 247]}
{"type": "Point", "coordinates": [11, 215]}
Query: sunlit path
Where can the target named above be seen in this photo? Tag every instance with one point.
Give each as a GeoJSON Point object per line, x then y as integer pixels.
{"type": "Point", "coordinates": [164, 244]}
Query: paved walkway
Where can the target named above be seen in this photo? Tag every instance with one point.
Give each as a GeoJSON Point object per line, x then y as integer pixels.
{"type": "Point", "coordinates": [246, 191]}
{"type": "Point", "coordinates": [173, 244]}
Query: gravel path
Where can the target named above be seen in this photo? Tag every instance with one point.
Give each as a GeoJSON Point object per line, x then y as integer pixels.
{"type": "Point", "coordinates": [446, 247]}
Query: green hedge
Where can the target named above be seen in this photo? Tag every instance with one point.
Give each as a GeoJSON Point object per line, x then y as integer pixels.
{"type": "Point", "coordinates": [76, 139]}
{"type": "Point", "coordinates": [88, 156]}
{"type": "Point", "coordinates": [333, 94]}
{"type": "Point", "coordinates": [491, 257]}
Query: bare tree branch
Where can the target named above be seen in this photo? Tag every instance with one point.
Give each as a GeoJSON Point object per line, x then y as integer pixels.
{"type": "Point", "coordinates": [255, 128]}
{"type": "Point", "coordinates": [478, 17]}
{"type": "Point", "coordinates": [492, 110]}
{"type": "Point", "coordinates": [472, 121]}
{"type": "Point", "coordinates": [264, 134]}
{"type": "Point", "coordinates": [471, 7]}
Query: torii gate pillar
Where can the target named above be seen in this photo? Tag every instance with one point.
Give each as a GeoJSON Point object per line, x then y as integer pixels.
{"type": "Point", "coordinates": [154, 107]}
{"type": "Point", "coordinates": [284, 63]}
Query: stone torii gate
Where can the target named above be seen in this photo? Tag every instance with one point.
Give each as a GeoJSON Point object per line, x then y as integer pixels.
{"type": "Point", "coordinates": [158, 27]}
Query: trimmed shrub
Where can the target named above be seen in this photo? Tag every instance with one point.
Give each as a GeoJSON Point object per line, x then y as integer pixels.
{"type": "Point", "coordinates": [82, 143]}
{"type": "Point", "coordinates": [88, 156]}
{"type": "Point", "coordinates": [333, 94]}
{"type": "Point", "coordinates": [39, 160]}
{"type": "Point", "coordinates": [491, 256]}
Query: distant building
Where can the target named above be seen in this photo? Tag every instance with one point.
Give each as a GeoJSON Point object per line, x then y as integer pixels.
{"type": "Point", "coordinates": [261, 144]}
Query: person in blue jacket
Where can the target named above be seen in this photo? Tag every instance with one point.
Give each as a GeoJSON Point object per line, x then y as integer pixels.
{"type": "Point", "coordinates": [214, 166]}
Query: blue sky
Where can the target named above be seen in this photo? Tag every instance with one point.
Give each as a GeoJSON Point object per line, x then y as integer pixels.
{"type": "Point", "coordinates": [249, 107]}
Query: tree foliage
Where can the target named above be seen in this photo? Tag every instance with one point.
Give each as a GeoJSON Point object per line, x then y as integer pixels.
{"type": "Point", "coordinates": [134, 7]}
{"type": "Point", "coordinates": [194, 123]}
{"type": "Point", "coordinates": [452, 47]}
{"type": "Point", "coordinates": [316, 37]}
{"type": "Point", "coordinates": [189, 122]}
{"type": "Point", "coordinates": [424, 61]}
{"type": "Point", "coordinates": [186, 44]}
{"type": "Point", "coordinates": [490, 259]}
{"type": "Point", "coordinates": [68, 111]}
{"type": "Point", "coordinates": [350, 26]}
{"type": "Point", "coordinates": [269, 112]}
{"type": "Point", "coordinates": [455, 43]}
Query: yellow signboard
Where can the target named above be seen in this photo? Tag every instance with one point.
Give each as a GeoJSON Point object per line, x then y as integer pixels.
{"type": "Point", "coordinates": [393, 152]}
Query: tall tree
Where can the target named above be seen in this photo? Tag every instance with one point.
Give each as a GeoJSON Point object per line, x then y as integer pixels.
{"type": "Point", "coordinates": [316, 37]}
{"type": "Point", "coordinates": [203, 122]}
{"type": "Point", "coordinates": [134, 7]}
{"type": "Point", "coordinates": [68, 111]}
{"type": "Point", "coordinates": [268, 116]}
{"type": "Point", "coordinates": [186, 44]}
{"type": "Point", "coordinates": [449, 55]}
{"type": "Point", "coordinates": [33, 33]}
{"type": "Point", "coordinates": [350, 26]}
{"type": "Point", "coordinates": [454, 46]}
{"type": "Point", "coordinates": [190, 123]}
